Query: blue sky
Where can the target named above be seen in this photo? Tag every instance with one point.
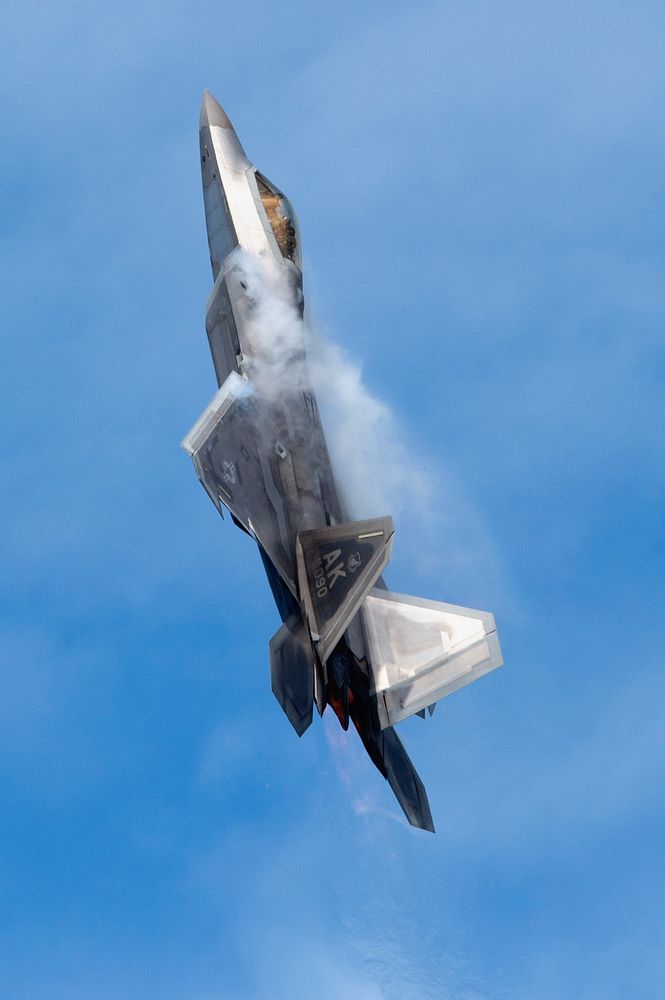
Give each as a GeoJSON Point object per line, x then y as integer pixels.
{"type": "Point", "coordinates": [480, 192]}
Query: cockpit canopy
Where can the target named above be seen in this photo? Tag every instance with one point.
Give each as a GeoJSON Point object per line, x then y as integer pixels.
{"type": "Point", "coordinates": [281, 217]}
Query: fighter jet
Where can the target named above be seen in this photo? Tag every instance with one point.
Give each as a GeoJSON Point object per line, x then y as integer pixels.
{"type": "Point", "coordinates": [346, 641]}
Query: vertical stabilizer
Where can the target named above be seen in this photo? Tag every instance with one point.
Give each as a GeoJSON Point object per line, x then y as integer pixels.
{"type": "Point", "coordinates": [292, 672]}
{"type": "Point", "coordinates": [337, 567]}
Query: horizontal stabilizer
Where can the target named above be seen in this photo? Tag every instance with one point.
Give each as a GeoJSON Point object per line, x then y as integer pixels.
{"type": "Point", "coordinates": [292, 672]}
{"type": "Point", "coordinates": [337, 567]}
{"type": "Point", "coordinates": [422, 650]}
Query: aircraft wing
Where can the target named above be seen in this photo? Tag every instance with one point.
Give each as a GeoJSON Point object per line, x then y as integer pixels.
{"type": "Point", "coordinates": [238, 474]}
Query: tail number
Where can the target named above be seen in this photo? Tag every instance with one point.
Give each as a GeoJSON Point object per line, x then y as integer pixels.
{"type": "Point", "coordinates": [325, 579]}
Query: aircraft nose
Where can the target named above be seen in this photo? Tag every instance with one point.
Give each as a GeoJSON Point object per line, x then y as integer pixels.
{"type": "Point", "coordinates": [212, 113]}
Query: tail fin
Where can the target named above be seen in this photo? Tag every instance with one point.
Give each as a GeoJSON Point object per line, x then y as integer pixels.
{"type": "Point", "coordinates": [421, 651]}
{"type": "Point", "coordinates": [405, 781]}
{"type": "Point", "coordinates": [385, 748]}
{"type": "Point", "coordinates": [292, 670]}
{"type": "Point", "coordinates": [337, 567]}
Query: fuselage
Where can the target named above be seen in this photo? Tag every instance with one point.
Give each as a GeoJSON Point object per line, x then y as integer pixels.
{"type": "Point", "coordinates": [254, 321]}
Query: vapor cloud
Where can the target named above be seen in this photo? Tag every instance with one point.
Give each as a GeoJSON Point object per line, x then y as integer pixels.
{"type": "Point", "coordinates": [274, 327]}
{"type": "Point", "coordinates": [378, 468]}
{"type": "Point", "coordinates": [374, 465]}
{"type": "Point", "coordinates": [373, 460]}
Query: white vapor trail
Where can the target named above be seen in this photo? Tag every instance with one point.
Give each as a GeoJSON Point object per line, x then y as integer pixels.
{"type": "Point", "coordinates": [377, 468]}
{"type": "Point", "coordinates": [376, 471]}
{"type": "Point", "coordinates": [373, 464]}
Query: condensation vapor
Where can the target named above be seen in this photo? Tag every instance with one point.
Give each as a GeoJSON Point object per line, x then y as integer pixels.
{"type": "Point", "coordinates": [378, 468]}
{"type": "Point", "coordinates": [375, 468]}
{"type": "Point", "coordinates": [378, 471]}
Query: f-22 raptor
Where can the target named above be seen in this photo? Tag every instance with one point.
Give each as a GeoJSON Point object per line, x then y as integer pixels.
{"type": "Point", "coordinates": [375, 657]}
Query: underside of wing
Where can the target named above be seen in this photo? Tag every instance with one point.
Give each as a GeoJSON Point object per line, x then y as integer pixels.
{"type": "Point", "coordinates": [236, 473]}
